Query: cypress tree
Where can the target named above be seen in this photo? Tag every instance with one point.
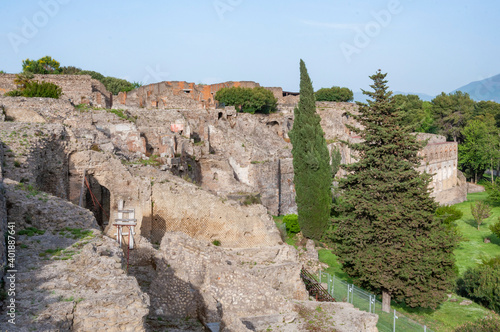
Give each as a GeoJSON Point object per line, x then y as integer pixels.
{"type": "Point", "coordinates": [388, 238]}
{"type": "Point", "coordinates": [311, 163]}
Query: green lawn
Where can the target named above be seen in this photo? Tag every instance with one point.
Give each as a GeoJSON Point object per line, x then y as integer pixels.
{"type": "Point", "coordinates": [470, 252]}
{"type": "Point", "coordinates": [473, 249]}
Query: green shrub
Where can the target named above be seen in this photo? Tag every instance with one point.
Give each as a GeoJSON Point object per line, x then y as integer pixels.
{"type": "Point", "coordinates": [37, 89]}
{"type": "Point", "coordinates": [334, 93]}
{"type": "Point", "coordinates": [42, 89]}
{"type": "Point", "coordinates": [69, 70]}
{"type": "Point", "coordinates": [93, 74]}
{"type": "Point", "coordinates": [487, 324]}
{"type": "Point", "coordinates": [292, 223]}
{"type": "Point", "coordinates": [112, 84]}
{"type": "Point", "coordinates": [116, 85]}
{"type": "Point", "coordinates": [495, 228]}
{"type": "Point", "coordinates": [248, 100]}
{"type": "Point", "coordinates": [14, 93]}
{"type": "Point", "coordinates": [481, 284]}
{"type": "Point", "coordinates": [216, 243]}
{"type": "Point", "coordinates": [448, 214]}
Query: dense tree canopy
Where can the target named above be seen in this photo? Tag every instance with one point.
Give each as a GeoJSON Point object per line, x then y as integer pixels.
{"type": "Point", "coordinates": [45, 65]}
{"type": "Point", "coordinates": [415, 113]}
{"type": "Point", "coordinates": [388, 238]}
{"type": "Point", "coordinates": [480, 148]}
{"type": "Point", "coordinates": [485, 108]}
{"type": "Point", "coordinates": [334, 93]}
{"type": "Point", "coordinates": [248, 100]}
{"type": "Point", "coordinates": [311, 163]}
{"type": "Point", "coordinates": [451, 113]}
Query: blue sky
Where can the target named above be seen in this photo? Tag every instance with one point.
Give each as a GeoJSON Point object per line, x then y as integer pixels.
{"type": "Point", "coordinates": [424, 46]}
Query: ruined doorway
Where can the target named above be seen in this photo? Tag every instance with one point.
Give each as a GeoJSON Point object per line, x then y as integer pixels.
{"type": "Point", "coordinates": [97, 200]}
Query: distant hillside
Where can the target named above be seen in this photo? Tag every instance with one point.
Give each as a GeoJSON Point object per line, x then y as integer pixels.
{"type": "Point", "coordinates": [359, 96]}
{"type": "Point", "coordinates": [487, 89]}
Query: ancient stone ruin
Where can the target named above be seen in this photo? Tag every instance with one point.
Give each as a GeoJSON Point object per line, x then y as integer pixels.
{"type": "Point", "coordinates": [205, 255]}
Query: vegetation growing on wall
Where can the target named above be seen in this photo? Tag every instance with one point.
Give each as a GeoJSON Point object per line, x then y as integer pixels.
{"type": "Point", "coordinates": [30, 88]}
{"type": "Point", "coordinates": [248, 100]}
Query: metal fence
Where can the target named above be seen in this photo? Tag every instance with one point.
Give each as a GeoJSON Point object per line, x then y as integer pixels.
{"type": "Point", "coordinates": [363, 300]}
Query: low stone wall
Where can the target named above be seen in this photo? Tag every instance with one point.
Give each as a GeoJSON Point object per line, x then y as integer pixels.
{"type": "Point", "coordinates": [474, 188]}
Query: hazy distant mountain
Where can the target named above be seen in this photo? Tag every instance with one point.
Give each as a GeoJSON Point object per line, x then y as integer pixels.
{"type": "Point", "coordinates": [487, 89]}
{"type": "Point", "coordinates": [359, 96]}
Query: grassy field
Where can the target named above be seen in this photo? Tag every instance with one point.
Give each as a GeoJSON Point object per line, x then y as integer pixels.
{"type": "Point", "coordinates": [473, 249]}
{"type": "Point", "coordinates": [470, 252]}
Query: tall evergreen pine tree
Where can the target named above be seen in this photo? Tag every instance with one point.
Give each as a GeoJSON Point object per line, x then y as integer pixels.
{"type": "Point", "coordinates": [388, 239]}
{"type": "Point", "coordinates": [311, 163]}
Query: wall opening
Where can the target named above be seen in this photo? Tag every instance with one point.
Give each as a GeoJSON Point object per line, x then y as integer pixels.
{"type": "Point", "coordinates": [97, 199]}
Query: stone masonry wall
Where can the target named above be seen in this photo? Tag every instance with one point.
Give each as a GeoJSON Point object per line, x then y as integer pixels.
{"type": "Point", "coordinates": [21, 109]}
{"type": "Point", "coordinates": [440, 158]}
{"type": "Point", "coordinates": [78, 89]}
{"type": "Point", "coordinates": [181, 94]}
{"type": "Point", "coordinates": [35, 154]}
{"type": "Point", "coordinates": [210, 218]}
{"type": "Point", "coordinates": [196, 278]}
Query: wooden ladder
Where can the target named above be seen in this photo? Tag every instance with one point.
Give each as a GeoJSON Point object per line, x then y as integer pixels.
{"type": "Point", "coordinates": [129, 222]}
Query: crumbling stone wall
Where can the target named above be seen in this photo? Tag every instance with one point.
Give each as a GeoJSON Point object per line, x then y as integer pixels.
{"type": "Point", "coordinates": [78, 89]}
{"type": "Point", "coordinates": [158, 95]}
{"type": "Point", "coordinates": [182, 94]}
{"type": "Point", "coordinates": [196, 278]}
{"type": "Point", "coordinates": [36, 155]}
{"type": "Point", "coordinates": [210, 218]}
{"type": "Point", "coordinates": [21, 109]}
{"type": "Point", "coordinates": [246, 289]}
